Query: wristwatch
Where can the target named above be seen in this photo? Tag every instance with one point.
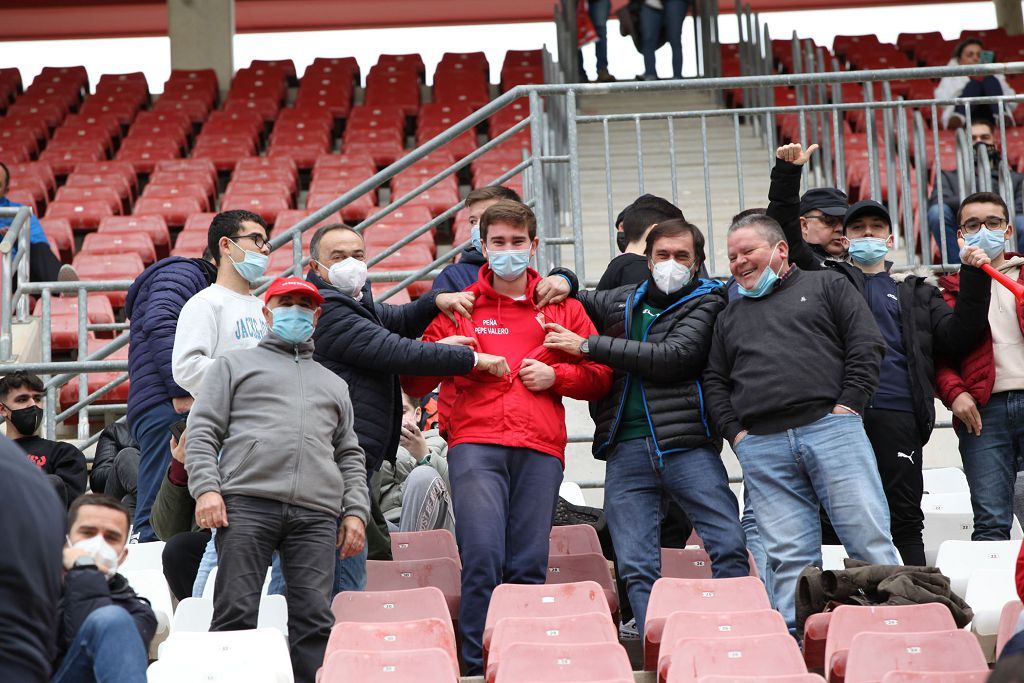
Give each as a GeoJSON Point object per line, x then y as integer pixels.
{"type": "Point", "coordinates": [84, 561]}
{"type": "Point", "coordinates": [585, 347]}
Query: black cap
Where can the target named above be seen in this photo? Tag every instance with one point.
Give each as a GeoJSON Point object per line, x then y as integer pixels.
{"type": "Point", "coordinates": [867, 207]}
{"type": "Point", "coordinates": [828, 200]}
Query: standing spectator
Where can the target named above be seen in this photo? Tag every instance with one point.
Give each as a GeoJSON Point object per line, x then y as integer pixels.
{"type": "Point", "coordinates": [21, 404]}
{"type": "Point", "coordinates": [32, 518]}
{"type": "Point", "coordinates": [155, 400]}
{"type": "Point", "coordinates": [507, 436]}
{"type": "Point", "coordinates": [917, 325]}
{"type": "Point", "coordinates": [43, 265]}
{"type": "Point", "coordinates": [662, 19]}
{"type": "Point", "coordinates": [985, 390]}
{"type": "Point", "coordinates": [598, 11]}
{"type": "Point", "coordinates": [799, 438]}
{"type": "Point", "coordinates": [982, 132]}
{"type": "Point", "coordinates": [457, 276]}
{"type": "Point", "coordinates": [104, 628]}
{"type": "Point", "coordinates": [273, 463]}
{"type": "Point", "coordinates": [652, 428]}
{"type": "Point", "coordinates": [115, 464]}
{"type": "Point", "coordinates": [968, 53]}
{"type": "Point", "coordinates": [632, 225]}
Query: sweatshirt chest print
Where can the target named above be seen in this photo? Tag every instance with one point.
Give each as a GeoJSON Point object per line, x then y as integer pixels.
{"type": "Point", "coordinates": [490, 326]}
{"type": "Point", "coordinates": [38, 460]}
{"type": "Point", "coordinates": [250, 328]}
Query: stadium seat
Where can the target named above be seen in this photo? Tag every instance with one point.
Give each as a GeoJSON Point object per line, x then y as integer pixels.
{"type": "Point", "coordinates": [177, 190]}
{"type": "Point", "coordinates": [791, 678]}
{"type": "Point", "coordinates": [143, 556]}
{"type": "Point", "coordinates": [174, 211]}
{"type": "Point", "coordinates": [69, 393]}
{"type": "Point", "coordinates": [119, 243]}
{"type": "Point", "coordinates": [409, 258]}
{"type": "Point", "coordinates": [115, 182]}
{"type": "Point", "coordinates": [988, 592]}
{"type": "Point", "coordinates": [356, 210]}
{"type": "Point", "coordinates": [591, 627]}
{"type": "Point", "coordinates": [81, 216]}
{"type": "Point", "coordinates": [408, 62]}
{"type": "Point", "coordinates": [958, 560]}
{"type": "Point", "coordinates": [422, 634]}
{"type": "Point", "coordinates": [390, 606]}
{"type": "Point", "coordinates": [397, 299]}
{"type": "Point", "coordinates": [872, 655]}
{"type": "Point", "coordinates": [1008, 620]}
{"type": "Point", "coordinates": [384, 233]}
{"type": "Point", "coordinates": [64, 318]}
{"type": "Point", "coordinates": [979, 676]}
{"type": "Point", "coordinates": [424, 545]}
{"type": "Point", "coordinates": [564, 663]}
{"type": "Point", "coordinates": [151, 584]}
{"type": "Point", "coordinates": [267, 206]}
{"type": "Point", "coordinates": [154, 226]}
{"type": "Point", "coordinates": [947, 516]}
{"type": "Point", "coordinates": [682, 626]}
{"type": "Point", "coordinates": [697, 595]}
{"type": "Point", "coordinates": [430, 665]}
{"type": "Point", "coordinates": [442, 573]}
{"type": "Point", "coordinates": [584, 567]}
{"type": "Point", "coordinates": [60, 236]}
{"type": "Point", "coordinates": [109, 267]}
{"type": "Point", "coordinates": [772, 654]}
{"type": "Point", "coordinates": [190, 243]}
{"type": "Point", "coordinates": [208, 656]}
{"type": "Point", "coordinates": [574, 539]}
{"type": "Point", "coordinates": [193, 614]}
{"type": "Point", "coordinates": [945, 480]}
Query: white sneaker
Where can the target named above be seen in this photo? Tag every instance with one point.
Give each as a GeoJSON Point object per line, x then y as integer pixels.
{"type": "Point", "coordinates": [628, 630]}
{"type": "Point", "coordinates": [67, 273]}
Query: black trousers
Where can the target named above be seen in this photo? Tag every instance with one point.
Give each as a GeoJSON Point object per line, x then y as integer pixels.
{"type": "Point", "coordinates": [306, 540]}
{"type": "Point", "coordinates": [43, 266]}
{"type": "Point", "coordinates": [123, 480]}
{"type": "Point", "coordinates": [181, 558]}
{"type": "Point", "coordinates": [898, 451]}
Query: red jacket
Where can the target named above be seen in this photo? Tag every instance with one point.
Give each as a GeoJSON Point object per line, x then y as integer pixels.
{"type": "Point", "coordinates": [976, 372]}
{"type": "Point", "coordinates": [1020, 574]}
{"type": "Point", "coordinates": [490, 410]}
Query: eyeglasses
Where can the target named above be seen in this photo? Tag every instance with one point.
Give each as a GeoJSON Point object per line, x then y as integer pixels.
{"type": "Point", "coordinates": [974, 225]}
{"type": "Point", "coordinates": [830, 221]}
{"type": "Point", "coordinates": [259, 240]}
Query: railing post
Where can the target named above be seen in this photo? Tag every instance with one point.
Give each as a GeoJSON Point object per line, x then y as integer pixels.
{"type": "Point", "coordinates": [537, 176]}
{"type": "Point", "coordinates": [574, 184]}
{"type": "Point", "coordinates": [50, 410]}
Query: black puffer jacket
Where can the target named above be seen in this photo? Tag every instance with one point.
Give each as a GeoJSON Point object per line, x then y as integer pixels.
{"type": "Point", "coordinates": [669, 362]}
{"type": "Point", "coordinates": [369, 345]}
{"type": "Point", "coordinates": [113, 439]}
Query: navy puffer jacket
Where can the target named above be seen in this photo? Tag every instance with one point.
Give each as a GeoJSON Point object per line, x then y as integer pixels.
{"type": "Point", "coordinates": [153, 304]}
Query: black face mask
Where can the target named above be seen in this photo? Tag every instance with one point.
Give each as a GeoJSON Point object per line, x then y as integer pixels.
{"type": "Point", "coordinates": [26, 420]}
{"type": "Point", "coordinates": [620, 241]}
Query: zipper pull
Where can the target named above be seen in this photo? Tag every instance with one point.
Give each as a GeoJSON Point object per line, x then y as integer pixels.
{"type": "Point", "coordinates": [296, 348]}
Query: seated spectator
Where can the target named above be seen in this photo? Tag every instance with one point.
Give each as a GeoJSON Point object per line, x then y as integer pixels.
{"type": "Point", "coordinates": [104, 628]}
{"type": "Point", "coordinates": [115, 466]}
{"type": "Point", "coordinates": [968, 53]}
{"type": "Point", "coordinates": [274, 464]}
{"type": "Point", "coordinates": [632, 226]}
{"type": "Point", "coordinates": [983, 133]}
{"type": "Point", "coordinates": [21, 404]}
{"type": "Point", "coordinates": [457, 276]}
{"type": "Point", "coordinates": [33, 519]}
{"type": "Point", "coordinates": [413, 493]}
{"type": "Point", "coordinates": [43, 265]}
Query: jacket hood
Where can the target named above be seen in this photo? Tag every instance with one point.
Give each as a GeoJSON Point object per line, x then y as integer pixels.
{"type": "Point", "coordinates": [275, 343]}
{"type": "Point", "coordinates": [484, 286]}
{"type": "Point", "coordinates": [472, 256]}
{"type": "Point", "coordinates": [209, 271]}
{"type": "Point", "coordinates": [925, 274]}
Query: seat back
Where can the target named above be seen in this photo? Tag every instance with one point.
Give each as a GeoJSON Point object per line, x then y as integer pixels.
{"type": "Point", "coordinates": [574, 539]}
{"type": "Point", "coordinates": [681, 626]}
{"type": "Point", "coordinates": [593, 627]}
{"type": "Point", "coordinates": [568, 662]}
{"type": "Point", "coordinates": [395, 666]}
{"type": "Point", "coordinates": [386, 636]}
{"type": "Point", "coordinates": [390, 606]}
{"type": "Point", "coordinates": [547, 600]}
{"type": "Point", "coordinates": [752, 655]}
{"type": "Point", "coordinates": [425, 545]}
{"type": "Point", "coordinates": [872, 655]}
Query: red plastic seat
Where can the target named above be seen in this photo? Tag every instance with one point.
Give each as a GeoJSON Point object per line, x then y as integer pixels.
{"type": "Point", "coordinates": [144, 155]}
{"type": "Point", "coordinates": [96, 193]}
{"type": "Point", "coordinates": [120, 168]}
{"type": "Point", "coordinates": [120, 243]}
{"type": "Point", "coordinates": [412, 62]}
{"type": "Point", "coordinates": [384, 233]}
{"type": "Point", "coordinates": [173, 211]}
{"type": "Point", "coordinates": [113, 182]}
{"type": "Point", "coordinates": [390, 606]}
{"type": "Point", "coordinates": [398, 666]}
{"type": "Point", "coordinates": [697, 595]}
{"type": "Point", "coordinates": [872, 655]}
{"type": "Point", "coordinates": [408, 258]}
{"type": "Point", "coordinates": [223, 156]}
{"type": "Point", "coordinates": [64, 318]}
{"type": "Point", "coordinates": [584, 567]}
{"type": "Point", "coordinates": [421, 634]}
{"type": "Point", "coordinates": [82, 216]}
{"type": "Point", "coordinates": [164, 190]}
{"type": "Point", "coordinates": [475, 60]}
{"type": "Point", "coordinates": [155, 227]}
{"type": "Point", "coordinates": [462, 86]}
{"type": "Point", "coordinates": [397, 299]}
{"type": "Point", "coordinates": [518, 75]}
{"type": "Point", "coordinates": [124, 111]}
{"type": "Point", "coordinates": [438, 199]}
{"type": "Point", "coordinates": [267, 107]}
{"type": "Point", "coordinates": [1007, 623]}
{"type": "Point", "coordinates": [198, 179]}
{"type": "Point", "coordinates": [198, 222]}
{"type": "Point", "coordinates": [979, 676]}
{"type": "Point", "coordinates": [35, 169]}
{"type": "Point", "coordinates": [681, 626]}
{"type": "Point", "coordinates": [266, 205]}
{"type": "Point", "coordinates": [59, 235]}
{"type": "Point", "coordinates": [442, 573]}
{"type": "Point", "coordinates": [332, 66]}
{"type": "Point", "coordinates": [564, 663]}
{"type": "Point", "coordinates": [384, 146]}
{"type": "Point", "coordinates": [689, 563]}
{"type": "Point", "coordinates": [32, 186]}
{"type": "Point", "coordinates": [396, 89]}
{"type": "Point", "coordinates": [775, 654]}
{"type": "Point", "coordinates": [356, 210]}
{"type": "Point", "coordinates": [592, 627]}
{"type": "Point", "coordinates": [424, 545]}
{"type": "Point", "coordinates": [303, 154]}
{"type": "Point", "coordinates": [190, 244]}
{"type": "Point", "coordinates": [109, 267]}
{"type": "Point", "coordinates": [533, 58]}
{"type": "Point", "coordinates": [64, 160]}
{"type": "Point", "coordinates": [574, 539]}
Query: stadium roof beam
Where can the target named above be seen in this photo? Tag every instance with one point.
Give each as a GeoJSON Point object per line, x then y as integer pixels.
{"type": "Point", "coordinates": [201, 33]}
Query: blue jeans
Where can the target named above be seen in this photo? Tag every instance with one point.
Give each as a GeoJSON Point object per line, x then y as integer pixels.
{"type": "Point", "coordinates": [635, 481]}
{"type": "Point", "coordinates": [151, 431]}
{"type": "Point", "coordinates": [652, 23]}
{"type": "Point", "coordinates": [504, 502]}
{"type": "Point", "coordinates": [598, 11]}
{"type": "Point", "coordinates": [210, 560]}
{"type": "Point", "coordinates": [949, 215]}
{"type": "Point", "coordinates": [756, 546]}
{"type": "Point", "coordinates": [991, 462]}
{"type": "Point", "coordinates": [107, 648]}
{"type": "Point", "coordinates": [350, 573]}
{"type": "Point", "coordinates": [789, 474]}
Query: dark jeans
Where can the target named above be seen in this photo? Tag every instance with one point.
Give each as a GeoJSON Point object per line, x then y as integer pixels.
{"type": "Point", "coordinates": [123, 479]}
{"type": "Point", "coordinates": [1014, 646]}
{"type": "Point", "coordinates": [306, 540]}
{"type": "Point", "coordinates": [504, 502]}
{"type": "Point", "coordinates": [988, 86]}
{"type": "Point", "coordinates": [598, 11]}
{"type": "Point", "coordinates": [181, 558]}
{"type": "Point", "coordinates": [151, 432]}
{"type": "Point", "coordinates": [43, 266]}
{"type": "Point", "coordinates": [652, 25]}
{"type": "Point", "coordinates": [107, 649]}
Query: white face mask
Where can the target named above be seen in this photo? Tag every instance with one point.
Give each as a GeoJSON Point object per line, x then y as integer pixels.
{"type": "Point", "coordinates": [105, 557]}
{"type": "Point", "coordinates": [348, 276]}
{"type": "Point", "coordinates": [671, 276]}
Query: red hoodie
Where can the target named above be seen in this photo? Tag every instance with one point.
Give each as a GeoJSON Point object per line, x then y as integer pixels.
{"type": "Point", "coordinates": [491, 410]}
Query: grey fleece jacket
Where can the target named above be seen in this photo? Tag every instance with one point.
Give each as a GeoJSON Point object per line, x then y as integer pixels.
{"type": "Point", "coordinates": [282, 424]}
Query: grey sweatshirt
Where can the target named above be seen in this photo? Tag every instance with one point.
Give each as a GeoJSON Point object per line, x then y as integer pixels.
{"type": "Point", "coordinates": [282, 425]}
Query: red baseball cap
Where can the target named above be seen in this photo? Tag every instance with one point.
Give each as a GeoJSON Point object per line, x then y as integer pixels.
{"type": "Point", "coordinates": [296, 286]}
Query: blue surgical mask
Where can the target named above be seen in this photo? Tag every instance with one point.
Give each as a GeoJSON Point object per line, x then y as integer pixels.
{"type": "Point", "coordinates": [293, 323]}
{"type": "Point", "coordinates": [253, 267]}
{"type": "Point", "coordinates": [868, 251]}
{"type": "Point", "coordinates": [992, 242]}
{"type": "Point", "coordinates": [764, 283]}
{"type": "Point", "coordinates": [510, 264]}
{"type": "Point", "coordinates": [474, 235]}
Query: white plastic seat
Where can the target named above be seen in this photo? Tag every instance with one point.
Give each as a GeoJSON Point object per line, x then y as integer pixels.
{"type": "Point", "coordinates": [945, 480]}
{"type": "Point", "coordinates": [273, 613]}
{"type": "Point", "coordinates": [261, 650]}
{"type": "Point", "coordinates": [195, 614]}
{"type": "Point", "coordinates": [151, 584]}
{"type": "Point", "coordinates": [988, 591]}
{"type": "Point", "coordinates": [208, 672]}
{"type": "Point", "coordinates": [960, 559]}
{"type": "Point", "coordinates": [572, 492]}
{"type": "Point", "coordinates": [832, 557]}
{"type": "Point", "coordinates": [144, 556]}
{"type": "Point", "coordinates": [947, 517]}
{"type": "Point", "coordinates": [211, 582]}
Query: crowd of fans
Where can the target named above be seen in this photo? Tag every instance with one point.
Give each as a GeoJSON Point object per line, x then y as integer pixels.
{"type": "Point", "coordinates": [292, 432]}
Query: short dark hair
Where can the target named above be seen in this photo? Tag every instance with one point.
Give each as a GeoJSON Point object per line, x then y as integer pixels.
{"type": "Point", "coordinates": [7, 178]}
{"type": "Point", "coordinates": [483, 194]}
{"type": "Point", "coordinates": [982, 198]}
{"type": "Point", "coordinates": [964, 44]}
{"type": "Point", "coordinates": [760, 211]}
{"type": "Point", "coordinates": [227, 224]}
{"type": "Point", "coordinates": [314, 244]}
{"type": "Point", "coordinates": [984, 121]}
{"type": "Point", "coordinates": [511, 212]}
{"type": "Point", "coordinates": [674, 228]}
{"type": "Point", "coordinates": [646, 211]}
{"type": "Point", "coordinates": [17, 380]}
{"type": "Point", "coordinates": [99, 500]}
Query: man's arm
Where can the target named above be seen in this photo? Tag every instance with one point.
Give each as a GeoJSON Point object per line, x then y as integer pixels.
{"type": "Point", "coordinates": [717, 380]}
{"type": "Point", "coordinates": [585, 380]}
{"type": "Point", "coordinates": [409, 320]}
{"type": "Point", "coordinates": [165, 305]}
{"type": "Point", "coordinates": [70, 468]}
{"type": "Point", "coordinates": [195, 338]}
{"type": "Point", "coordinates": [173, 508]}
{"type": "Point", "coordinates": [420, 384]}
{"type": "Point", "coordinates": [784, 202]}
{"type": "Point", "coordinates": [959, 330]}
{"type": "Point", "coordinates": [863, 343]}
{"type": "Point", "coordinates": [207, 427]}
{"type": "Point", "coordinates": [351, 462]}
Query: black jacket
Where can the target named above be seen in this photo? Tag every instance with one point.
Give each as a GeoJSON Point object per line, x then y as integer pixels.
{"type": "Point", "coordinates": [929, 327]}
{"type": "Point", "coordinates": [668, 362]}
{"type": "Point", "coordinates": [86, 589]}
{"type": "Point", "coordinates": [951, 189]}
{"type": "Point", "coordinates": [113, 439]}
{"type": "Point", "coordinates": [61, 462]}
{"type": "Point", "coordinates": [369, 345]}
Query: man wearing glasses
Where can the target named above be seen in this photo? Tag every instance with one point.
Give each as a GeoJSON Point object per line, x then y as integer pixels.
{"type": "Point", "coordinates": [985, 389]}
{"type": "Point", "coordinates": [821, 212]}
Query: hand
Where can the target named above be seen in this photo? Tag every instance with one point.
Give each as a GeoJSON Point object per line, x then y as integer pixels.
{"type": "Point", "coordinates": [972, 256]}
{"type": "Point", "coordinates": [795, 154]}
{"type": "Point", "coordinates": [458, 340]}
{"type": "Point", "coordinates": [210, 511]}
{"type": "Point", "coordinates": [562, 339]}
{"type": "Point", "coordinates": [496, 365]}
{"type": "Point", "coordinates": [72, 554]}
{"type": "Point", "coordinates": [842, 410]}
{"type": "Point", "coordinates": [351, 536]}
{"type": "Point", "coordinates": [182, 404]}
{"type": "Point", "coordinates": [965, 408]}
{"type": "Point", "coordinates": [411, 439]}
{"type": "Point", "coordinates": [178, 448]}
{"type": "Point", "coordinates": [536, 376]}
{"type": "Point", "coordinates": [451, 303]}
{"type": "Point", "coordinates": [554, 289]}
{"type": "Point", "coordinates": [739, 437]}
